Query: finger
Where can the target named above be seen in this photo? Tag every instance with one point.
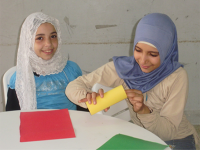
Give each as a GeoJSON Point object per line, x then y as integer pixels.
{"type": "Point", "coordinates": [94, 95]}
{"type": "Point", "coordinates": [83, 100]}
{"type": "Point", "coordinates": [88, 96]}
{"type": "Point", "coordinates": [101, 93]}
{"type": "Point", "coordinates": [133, 102]}
{"type": "Point", "coordinates": [133, 91]}
{"type": "Point", "coordinates": [138, 98]}
{"type": "Point", "coordinates": [138, 107]}
{"type": "Point", "coordinates": [135, 96]}
{"type": "Point", "coordinates": [130, 95]}
{"type": "Point", "coordinates": [106, 109]}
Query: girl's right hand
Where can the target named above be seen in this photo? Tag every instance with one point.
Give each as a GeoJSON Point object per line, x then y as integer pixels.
{"type": "Point", "coordinates": [91, 98]}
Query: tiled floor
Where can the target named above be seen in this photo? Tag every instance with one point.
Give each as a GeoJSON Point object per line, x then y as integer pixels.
{"type": "Point", "coordinates": [197, 127]}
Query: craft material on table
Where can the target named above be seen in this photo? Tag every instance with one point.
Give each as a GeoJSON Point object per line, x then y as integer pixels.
{"type": "Point", "coordinates": [110, 98]}
{"type": "Point", "coordinates": [45, 125]}
{"type": "Point", "coordinates": [125, 142]}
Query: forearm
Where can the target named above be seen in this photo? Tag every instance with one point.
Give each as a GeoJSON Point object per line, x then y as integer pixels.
{"type": "Point", "coordinates": [77, 90]}
{"type": "Point", "coordinates": [105, 75]}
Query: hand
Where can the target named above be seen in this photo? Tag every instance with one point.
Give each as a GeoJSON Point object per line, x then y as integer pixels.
{"type": "Point", "coordinates": [136, 98]}
{"type": "Point", "coordinates": [91, 98]}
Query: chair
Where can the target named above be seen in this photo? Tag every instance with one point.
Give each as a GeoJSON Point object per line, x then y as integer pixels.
{"type": "Point", "coordinates": [6, 81]}
{"type": "Point", "coordinates": [118, 110]}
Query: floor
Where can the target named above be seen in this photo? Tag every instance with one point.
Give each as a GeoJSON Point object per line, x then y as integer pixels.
{"type": "Point", "coordinates": [197, 127]}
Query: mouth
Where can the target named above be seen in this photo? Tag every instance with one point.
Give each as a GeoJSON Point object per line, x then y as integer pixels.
{"type": "Point", "coordinates": [145, 67]}
{"type": "Point", "coordinates": [49, 51]}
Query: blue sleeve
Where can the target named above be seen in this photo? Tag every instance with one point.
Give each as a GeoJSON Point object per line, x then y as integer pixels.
{"type": "Point", "coordinates": [12, 81]}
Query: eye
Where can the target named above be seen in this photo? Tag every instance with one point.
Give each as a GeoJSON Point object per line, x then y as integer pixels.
{"type": "Point", "coordinates": [154, 54]}
{"type": "Point", "coordinates": [54, 36]}
{"type": "Point", "coordinates": [39, 38]}
{"type": "Point", "coordinates": [137, 50]}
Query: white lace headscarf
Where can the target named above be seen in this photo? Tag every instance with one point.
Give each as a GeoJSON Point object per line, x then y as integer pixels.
{"type": "Point", "coordinates": [28, 62]}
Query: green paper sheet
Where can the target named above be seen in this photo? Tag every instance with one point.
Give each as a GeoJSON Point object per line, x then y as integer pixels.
{"type": "Point", "coordinates": [124, 142]}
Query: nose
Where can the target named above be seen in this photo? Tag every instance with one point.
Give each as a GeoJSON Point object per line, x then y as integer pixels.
{"type": "Point", "coordinates": [143, 59]}
{"type": "Point", "coordinates": [48, 42]}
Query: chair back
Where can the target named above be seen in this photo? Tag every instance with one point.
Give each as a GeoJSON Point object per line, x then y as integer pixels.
{"type": "Point", "coordinates": [6, 81]}
{"type": "Point", "coordinates": [118, 110]}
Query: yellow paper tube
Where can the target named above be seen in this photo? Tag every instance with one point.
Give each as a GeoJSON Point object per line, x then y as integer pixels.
{"type": "Point", "coordinates": [110, 98]}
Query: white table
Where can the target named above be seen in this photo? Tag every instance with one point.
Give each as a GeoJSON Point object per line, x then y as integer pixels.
{"type": "Point", "coordinates": [91, 132]}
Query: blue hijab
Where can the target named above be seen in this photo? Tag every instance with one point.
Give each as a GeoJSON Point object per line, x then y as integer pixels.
{"type": "Point", "coordinates": [159, 30]}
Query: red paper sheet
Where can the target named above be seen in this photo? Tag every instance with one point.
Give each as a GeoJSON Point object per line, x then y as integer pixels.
{"type": "Point", "coordinates": [45, 125]}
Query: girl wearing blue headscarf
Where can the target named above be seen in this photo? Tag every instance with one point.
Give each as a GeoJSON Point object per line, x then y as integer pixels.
{"type": "Point", "coordinates": [42, 73]}
{"type": "Point", "coordinates": [155, 82]}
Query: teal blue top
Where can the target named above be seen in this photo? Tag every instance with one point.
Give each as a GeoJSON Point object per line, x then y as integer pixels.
{"type": "Point", "coordinates": [50, 89]}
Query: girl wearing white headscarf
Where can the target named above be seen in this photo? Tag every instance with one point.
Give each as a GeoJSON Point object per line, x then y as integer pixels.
{"type": "Point", "coordinates": [155, 82]}
{"type": "Point", "coordinates": [40, 83]}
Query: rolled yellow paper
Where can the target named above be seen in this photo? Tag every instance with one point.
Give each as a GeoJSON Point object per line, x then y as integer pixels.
{"type": "Point", "coordinates": [110, 98]}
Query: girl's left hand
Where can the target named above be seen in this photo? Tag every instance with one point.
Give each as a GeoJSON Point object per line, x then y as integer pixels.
{"type": "Point", "coordinates": [136, 98]}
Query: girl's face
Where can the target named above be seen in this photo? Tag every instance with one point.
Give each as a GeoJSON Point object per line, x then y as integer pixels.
{"type": "Point", "coordinates": [147, 57]}
{"type": "Point", "coordinates": [46, 41]}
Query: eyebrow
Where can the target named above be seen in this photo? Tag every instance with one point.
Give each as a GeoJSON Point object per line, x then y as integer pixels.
{"type": "Point", "coordinates": [137, 47]}
{"type": "Point", "coordinates": [53, 32]}
{"type": "Point", "coordinates": [44, 34]}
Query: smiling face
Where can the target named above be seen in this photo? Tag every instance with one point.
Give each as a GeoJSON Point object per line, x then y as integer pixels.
{"type": "Point", "coordinates": [46, 42]}
{"type": "Point", "coordinates": [147, 57]}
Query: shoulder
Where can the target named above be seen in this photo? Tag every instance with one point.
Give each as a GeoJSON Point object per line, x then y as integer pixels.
{"type": "Point", "coordinates": [178, 74]}
{"type": "Point", "coordinates": [109, 66]}
{"type": "Point", "coordinates": [175, 86]}
{"type": "Point", "coordinates": [71, 64]}
{"type": "Point", "coordinates": [12, 81]}
{"type": "Point", "coordinates": [107, 71]}
{"type": "Point", "coordinates": [178, 79]}
{"type": "Point", "coordinates": [73, 67]}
